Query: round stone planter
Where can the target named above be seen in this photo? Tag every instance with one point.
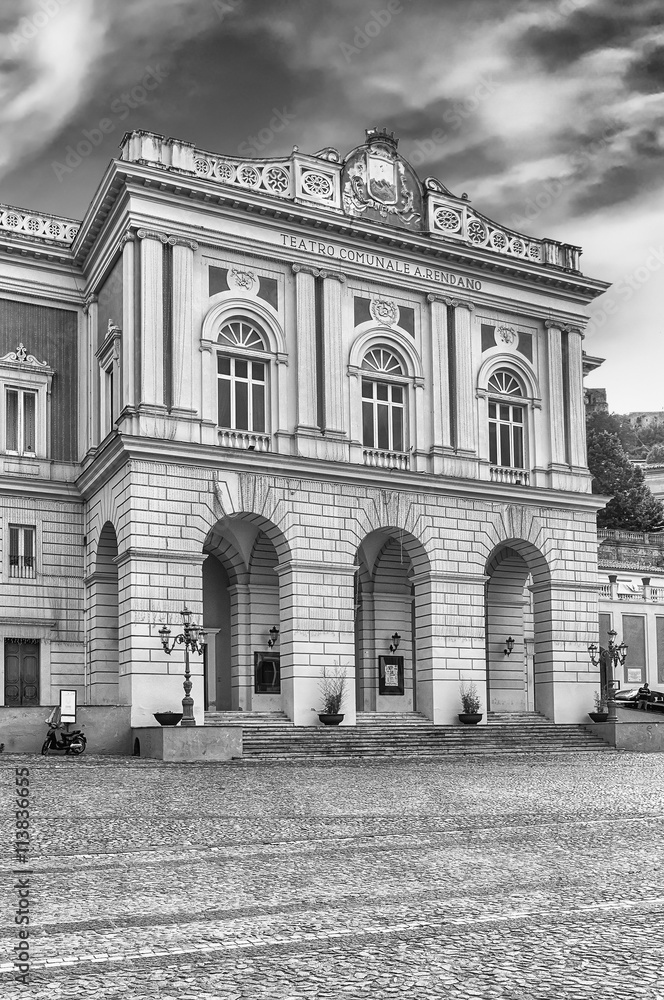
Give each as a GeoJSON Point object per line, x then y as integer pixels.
{"type": "Point", "coordinates": [469, 719]}
{"type": "Point", "coordinates": [598, 716]}
{"type": "Point", "coordinates": [330, 720]}
{"type": "Point", "coordinates": [167, 718]}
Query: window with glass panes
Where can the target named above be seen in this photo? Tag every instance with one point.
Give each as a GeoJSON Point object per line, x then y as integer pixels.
{"type": "Point", "coordinates": [383, 401]}
{"type": "Point", "coordinates": [21, 551]}
{"type": "Point", "coordinates": [241, 381]}
{"type": "Point", "coordinates": [506, 422]}
{"type": "Point", "coordinates": [20, 421]}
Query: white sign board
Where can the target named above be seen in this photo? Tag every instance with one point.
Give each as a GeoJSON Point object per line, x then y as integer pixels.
{"type": "Point", "coordinates": [67, 706]}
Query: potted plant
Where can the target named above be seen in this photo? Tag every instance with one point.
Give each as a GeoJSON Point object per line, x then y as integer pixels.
{"type": "Point", "coordinates": [601, 712]}
{"type": "Point", "coordinates": [470, 701]}
{"type": "Point", "coordinates": [167, 718]}
{"type": "Point", "coordinates": [333, 689]}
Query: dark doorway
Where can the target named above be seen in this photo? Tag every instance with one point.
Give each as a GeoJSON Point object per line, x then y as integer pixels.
{"type": "Point", "coordinates": [21, 672]}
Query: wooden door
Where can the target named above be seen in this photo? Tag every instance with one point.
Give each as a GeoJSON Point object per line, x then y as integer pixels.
{"type": "Point", "coordinates": [21, 673]}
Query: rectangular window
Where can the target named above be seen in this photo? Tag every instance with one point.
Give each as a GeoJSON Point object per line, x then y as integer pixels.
{"type": "Point", "coordinates": [383, 415]}
{"type": "Point", "coordinates": [21, 551]}
{"type": "Point", "coordinates": [660, 650]}
{"type": "Point", "coordinates": [20, 421]}
{"type": "Point", "coordinates": [241, 394]}
{"type": "Point", "coordinates": [634, 636]}
{"type": "Point", "coordinates": [506, 443]}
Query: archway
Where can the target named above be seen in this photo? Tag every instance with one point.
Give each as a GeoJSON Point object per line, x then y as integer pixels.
{"type": "Point", "coordinates": [241, 604]}
{"type": "Point", "coordinates": [103, 631]}
{"type": "Point", "coordinates": [388, 597]}
{"type": "Point", "coordinates": [517, 598]}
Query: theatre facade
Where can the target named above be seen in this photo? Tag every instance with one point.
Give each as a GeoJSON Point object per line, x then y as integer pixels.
{"type": "Point", "coordinates": [326, 404]}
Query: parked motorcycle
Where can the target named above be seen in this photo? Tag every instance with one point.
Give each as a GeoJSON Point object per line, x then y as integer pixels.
{"type": "Point", "coordinates": [60, 740]}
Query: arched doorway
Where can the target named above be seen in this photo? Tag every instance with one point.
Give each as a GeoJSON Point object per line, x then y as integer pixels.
{"type": "Point", "coordinates": [103, 630]}
{"type": "Point", "coordinates": [387, 598]}
{"type": "Point", "coordinates": [517, 596]}
{"type": "Point", "coordinates": [241, 604]}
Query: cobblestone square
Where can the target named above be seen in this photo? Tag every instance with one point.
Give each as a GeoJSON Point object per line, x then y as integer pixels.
{"type": "Point", "coordinates": [525, 876]}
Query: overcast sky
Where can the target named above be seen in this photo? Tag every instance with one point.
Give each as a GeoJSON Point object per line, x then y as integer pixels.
{"type": "Point", "coordinates": [548, 114]}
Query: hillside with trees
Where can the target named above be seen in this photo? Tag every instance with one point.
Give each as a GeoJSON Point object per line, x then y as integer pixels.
{"type": "Point", "coordinates": [633, 507]}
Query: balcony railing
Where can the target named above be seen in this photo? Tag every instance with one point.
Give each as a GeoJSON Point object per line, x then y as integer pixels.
{"type": "Point", "coordinates": [244, 440]}
{"type": "Point", "coordinates": [386, 459]}
{"type": "Point", "coordinates": [605, 591]}
{"type": "Point", "coordinates": [511, 477]}
{"type": "Point", "coordinates": [22, 567]}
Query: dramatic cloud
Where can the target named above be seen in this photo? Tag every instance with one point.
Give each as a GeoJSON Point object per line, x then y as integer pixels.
{"type": "Point", "coordinates": [549, 113]}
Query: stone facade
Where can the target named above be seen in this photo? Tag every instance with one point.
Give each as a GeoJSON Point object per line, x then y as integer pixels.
{"type": "Point", "coordinates": [311, 394]}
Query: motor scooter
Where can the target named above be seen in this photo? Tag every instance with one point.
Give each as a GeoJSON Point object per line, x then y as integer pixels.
{"type": "Point", "coordinates": [61, 740]}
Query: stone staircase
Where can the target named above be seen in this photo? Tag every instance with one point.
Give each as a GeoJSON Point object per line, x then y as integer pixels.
{"type": "Point", "coordinates": [272, 736]}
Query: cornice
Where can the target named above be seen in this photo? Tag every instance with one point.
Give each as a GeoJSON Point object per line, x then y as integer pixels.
{"type": "Point", "coordinates": [123, 449]}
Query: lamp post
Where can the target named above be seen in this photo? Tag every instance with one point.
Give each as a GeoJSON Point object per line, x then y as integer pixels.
{"type": "Point", "coordinates": [613, 656]}
{"type": "Point", "coordinates": [192, 638]}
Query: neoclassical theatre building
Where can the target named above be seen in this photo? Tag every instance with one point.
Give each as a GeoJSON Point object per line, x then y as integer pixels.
{"type": "Point", "coordinates": [326, 404]}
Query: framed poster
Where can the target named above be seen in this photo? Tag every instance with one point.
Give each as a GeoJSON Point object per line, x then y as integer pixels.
{"type": "Point", "coordinates": [67, 706]}
{"type": "Point", "coordinates": [267, 673]}
{"type": "Point", "coordinates": [635, 675]}
{"type": "Point", "coordinates": [390, 675]}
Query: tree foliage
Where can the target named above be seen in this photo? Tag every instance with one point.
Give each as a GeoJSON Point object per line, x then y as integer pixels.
{"type": "Point", "coordinates": [633, 507]}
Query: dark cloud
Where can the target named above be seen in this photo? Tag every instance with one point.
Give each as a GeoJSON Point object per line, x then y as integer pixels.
{"type": "Point", "coordinates": [563, 38]}
{"type": "Point", "coordinates": [646, 73]}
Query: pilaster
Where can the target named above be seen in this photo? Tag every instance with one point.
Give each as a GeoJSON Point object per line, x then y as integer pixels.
{"type": "Point", "coordinates": [556, 396]}
{"type": "Point", "coordinates": [152, 320]}
{"type": "Point", "coordinates": [183, 355]}
{"type": "Point", "coordinates": [466, 421]}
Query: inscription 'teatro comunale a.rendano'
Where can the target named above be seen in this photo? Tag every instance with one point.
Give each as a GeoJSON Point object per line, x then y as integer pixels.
{"type": "Point", "coordinates": [379, 261]}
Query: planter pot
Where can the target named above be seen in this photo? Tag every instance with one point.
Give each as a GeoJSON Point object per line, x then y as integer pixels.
{"type": "Point", "coordinates": [168, 718]}
{"type": "Point", "coordinates": [330, 720]}
{"type": "Point", "coordinates": [598, 716]}
{"type": "Point", "coordinates": [470, 719]}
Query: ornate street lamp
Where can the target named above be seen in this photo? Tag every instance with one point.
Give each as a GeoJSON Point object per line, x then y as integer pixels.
{"type": "Point", "coordinates": [193, 639]}
{"type": "Point", "coordinates": [611, 657]}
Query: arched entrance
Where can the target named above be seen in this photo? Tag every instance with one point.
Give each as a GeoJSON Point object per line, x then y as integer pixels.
{"type": "Point", "coordinates": [387, 599]}
{"type": "Point", "coordinates": [241, 604]}
{"type": "Point", "coordinates": [103, 619]}
{"type": "Point", "coordinates": [517, 596]}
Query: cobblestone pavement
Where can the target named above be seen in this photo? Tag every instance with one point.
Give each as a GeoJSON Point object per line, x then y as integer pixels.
{"type": "Point", "coordinates": [467, 878]}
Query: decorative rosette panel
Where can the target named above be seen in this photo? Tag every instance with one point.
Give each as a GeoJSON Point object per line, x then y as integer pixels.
{"type": "Point", "coordinates": [458, 221]}
{"type": "Point", "coordinates": [268, 178]}
{"type": "Point", "coordinates": [43, 227]}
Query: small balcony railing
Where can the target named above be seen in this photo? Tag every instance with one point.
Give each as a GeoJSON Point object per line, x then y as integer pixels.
{"type": "Point", "coordinates": [511, 477]}
{"type": "Point", "coordinates": [22, 567]}
{"type": "Point", "coordinates": [244, 440]}
{"type": "Point", "coordinates": [386, 459]}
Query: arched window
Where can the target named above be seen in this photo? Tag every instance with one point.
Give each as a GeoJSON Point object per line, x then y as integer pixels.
{"type": "Point", "coordinates": [241, 378]}
{"type": "Point", "coordinates": [506, 420]}
{"type": "Point", "coordinates": [383, 400]}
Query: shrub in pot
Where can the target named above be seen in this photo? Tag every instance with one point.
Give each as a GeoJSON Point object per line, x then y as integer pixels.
{"type": "Point", "coordinates": [333, 689]}
{"type": "Point", "coordinates": [470, 700]}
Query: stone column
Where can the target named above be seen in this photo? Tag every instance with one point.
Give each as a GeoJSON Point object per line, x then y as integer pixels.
{"type": "Point", "coordinates": [317, 634]}
{"type": "Point", "coordinates": [440, 381]}
{"type": "Point", "coordinates": [184, 355]}
{"type": "Point", "coordinates": [556, 397]}
{"type": "Point", "coordinates": [334, 375]}
{"type": "Point", "coordinates": [242, 667]}
{"type": "Point", "coordinates": [450, 639]}
{"type": "Point", "coordinates": [307, 367]}
{"type": "Point", "coordinates": [465, 402]}
{"type": "Point", "coordinates": [92, 375]}
{"type": "Point", "coordinates": [153, 586]}
{"type": "Point", "coordinates": [128, 400]}
{"type": "Point", "coordinates": [577, 413]}
{"type": "Point", "coordinates": [152, 320]}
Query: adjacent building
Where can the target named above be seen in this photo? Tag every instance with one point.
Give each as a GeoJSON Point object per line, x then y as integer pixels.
{"type": "Point", "coordinates": [329, 406]}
